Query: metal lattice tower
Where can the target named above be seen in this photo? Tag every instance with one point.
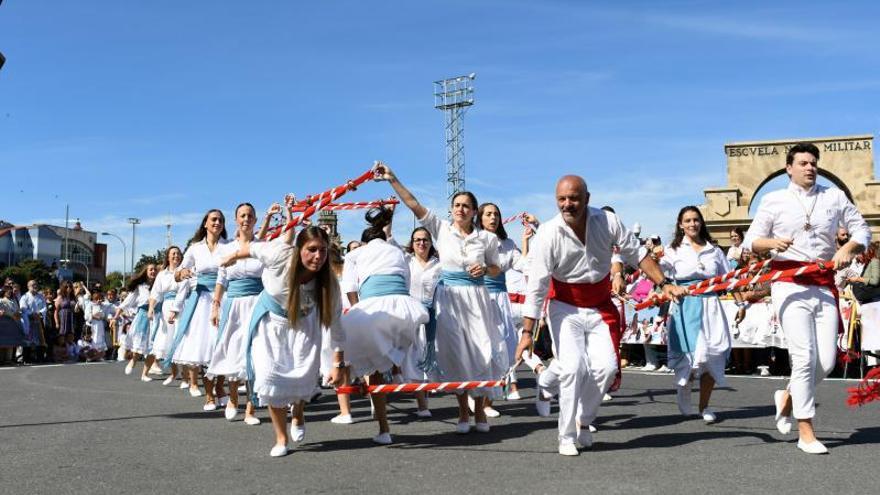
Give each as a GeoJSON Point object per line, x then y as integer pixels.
{"type": "Point", "coordinates": [454, 96]}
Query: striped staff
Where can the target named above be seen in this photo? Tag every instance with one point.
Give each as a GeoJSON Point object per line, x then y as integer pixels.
{"type": "Point", "coordinates": [360, 205]}
{"type": "Point", "coordinates": [390, 388]}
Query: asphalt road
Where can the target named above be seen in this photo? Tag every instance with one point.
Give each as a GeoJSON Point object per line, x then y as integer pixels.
{"type": "Point", "coordinates": [91, 429]}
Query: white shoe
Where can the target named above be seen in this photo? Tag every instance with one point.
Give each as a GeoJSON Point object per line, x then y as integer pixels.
{"type": "Point", "coordinates": [120, 356]}
{"type": "Point", "coordinates": [209, 406]}
{"type": "Point", "coordinates": [709, 416]}
{"type": "Point", "coordinates": [252, 421]}
{"type": "Point", "coordinates": [342, 419]}
{"type": "Point", "coordinates": [279, 451]}
{"type": "Point", "coordinates": [664, 369]}
{"type": "Point", "coordinates": [156, 370]}
{"type": "Point", "coordinates": [297, 432]}
{"type": "Point", "coordinates": [814, 447]}
{"type": "Point", "coordinates": [764, 370]}
{"type": "Point", "coordinates": [463, 428]}
{"type": "Point", "coordinates": [242, 389]}
{"type": "Point", "coordinates": [424, 413]}
{"type": "Point", "coordinates": [593, 429]}
{"type": "Point", "coordinates": [471, 404]}
{"type": "Point", "coordinates": [542, 406]}
{"type": "Point", "coordinates": [683, 398]}
{"type": "Point", "coordinates": [184, 385]}
{"type": "Point", "coordinates": [382, 438]}
{"type": "Point", "coordinates": [145, 378]}
{"type": "Point", "coordinates": [783, 423]}
{"type": "Point", "coordinates": [129, 367]}
{"type": "Point", "coordinates": [222, 401]}
{"type": "Point", "coordinates": [168, 381]}
{"type": "Point", "coordinates": [514, 395]}
{"type": "Point", "coordinates": [231, 412]}
{"type": "Point", "coordinates": [649, 367]}
{"type": "Point", "coordinates": [195, 392]}
{"type": "Point", "coordinates": [568, 448]}
{"type": "Point", "coordinates": [606, 398]}
{"type": "Point", "coordinates": [482, 427]}
{"type": "Point", "coordinates": [491, 412]}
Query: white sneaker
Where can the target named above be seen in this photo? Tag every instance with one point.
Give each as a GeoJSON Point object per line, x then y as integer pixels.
{"type": "Point", "coordinates": [145, 378]}
{"type": "Point", "coordinates": [424, 413]}
{"type": "Point", "coordinates": [382, 438]}
{"type": "Point", "coordinates": [231, 412]}
{"type": "Point", "coordinates": [542, 406]}
{"type": "Point", "coordinates": [491, 412]}
{"type": "Point", "coordinates": [342, 419]}
{"type": "Point", "coordinates": [649, 367]}
{"type": "Point", "coordinates": [783, 423]}
{"type": "Point", "coordinates": [184, 385]}
{"type": "Point", "coordinates": [709, 416]}
{"type": "Point", "coordinates": [463, 428]}
{"type": "Point", "coordinates": [814, 447]}
{"type": "Point", "coordinates": [279, 451]}
{"type": "Point", "coordinates": [683, 398]}
{"type": "Point", "coordinates": [606, 398]}
{"type": "Point", "coordinates": [168, 381]}
{"type": "Point", "coordinates": [514, 395]}
{"type": "Point", "coordinates": [252, 421]}
{"type": "Point", "coordinates": [156, 370]}
{"type": "Point", "coordinates": [593, 429]}
{"type": "Point", "coordinates": [129, 367]}
{"type": "Point", "coordinates": [664, 369]}
{"type": "Point", "coordinates": [764, 370]}
{"type": "Point", "coordinates": [482, 427]}
{"type": "Point", "coordinates": [195, 392]}
{"type": "Point", "coordinates": [585, 438]}
{"type": "Point", "coordinates": [568, 448]}
{"type": "Point", "coordinates": [120, 356]}
{"type": "Point", "coordinates": [209, 406]}
{"type": "Point", "coordinates": [297, 433]}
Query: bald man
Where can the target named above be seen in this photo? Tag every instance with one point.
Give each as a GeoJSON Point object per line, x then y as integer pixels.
{"type": "Point", "coordinates": [570, 264]}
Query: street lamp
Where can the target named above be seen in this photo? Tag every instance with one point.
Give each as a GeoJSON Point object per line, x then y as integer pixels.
{"type": "Point", "coordinates": [81, 263]}
{"type": "Point", "coordinates": [133, 221]}
{"type": "Point", "coordinates": [124, 250]}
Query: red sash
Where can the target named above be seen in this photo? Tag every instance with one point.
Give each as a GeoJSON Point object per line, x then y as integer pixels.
{"type": "Point", "coordinates": [822, 278]}
{"type": "Point", "coordinates": [516, 298]}
{"type": "Point", "coordinates": [594, 296]}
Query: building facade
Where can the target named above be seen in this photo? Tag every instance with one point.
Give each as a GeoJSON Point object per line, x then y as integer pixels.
{"type": "Point", "coordinates": [51, 244]}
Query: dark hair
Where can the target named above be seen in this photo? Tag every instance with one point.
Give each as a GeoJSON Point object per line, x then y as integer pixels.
{"type": "Point", "coordinates": [471, 198]}
{"type": "Point", "coordinates": [254, 210]}
{"type": "Point", "coordinates": [679, 232]}
{"type": "Point", "coordinates": [608, 209]}
{"type": "Point", "coordinates": [168, 255]}
{"type": "Point", "coordinates": [327, 298]}
{"type": "Point", "coordinates": [378, 218]}
{"type": "Point", "coordinates": [202, 232]}
{"type": "Point", "coordinates": [801, 148]}
{"type": "Point", "coordinates": [432, 252]}
{"type": "Point", "coordinates": [335, 259]}
{"type": "Point", "coordinates": [348, 248]}
{"type": "Point", "coordinates": [500, 232]}
{"type": "Point", "coordinates": [140, 278]}
{"type": "Point", "coordinates": [739, 232]}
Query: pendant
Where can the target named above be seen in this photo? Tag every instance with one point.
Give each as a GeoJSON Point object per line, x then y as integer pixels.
{"type": "Point", "coordinates": [807, 226]}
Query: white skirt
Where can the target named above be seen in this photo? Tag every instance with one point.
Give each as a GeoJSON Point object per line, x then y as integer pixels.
{"type": "Point", "coordinates": [198, 344]}
{"type": "Point", "coordinates": [469, 346]}
{"type": "Point", "coordinates": [229, 353]}
{"type": "Point", "coordinates": [409, 368]}
{"type": "Point", "coordinates": [379, 331]}
{"type": "Point", "coordinates": [506, 325]}
{"type": "Point", "coordinates": [285, 360]}
{"type": "Point", "coordinates": [140, 342]}
{"type": "Point", "coordinates": [164, 333]}
{"type": "Point", "coordinates": [99, 339]}
{"type": "Point", "coordinates": [711, 351]}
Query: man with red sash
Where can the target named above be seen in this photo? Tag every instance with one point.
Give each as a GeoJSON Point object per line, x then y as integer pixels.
{"type": "Point", "coordinates": [800, 223]}
{"type": "Point", "coordinates": [570, 262]}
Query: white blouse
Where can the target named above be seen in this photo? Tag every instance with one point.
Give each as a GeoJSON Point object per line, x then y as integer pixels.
{"type": "Point", "coordinates": [685, 263]}
{"type": "Point", "coordinates": [200, 259]}
{"type": "Point", "coordinates": [423, 279]}
{"type": "Point", "coordinates": [136, 298]}
{"type": "Point", "coordinates": [377, 257]}
{"type": "Point", "coordinates": [243, 268]}
{"type": "Point", "coordinates": [164, 283]}
{"type": "Point", "coordinates": [457, 250]}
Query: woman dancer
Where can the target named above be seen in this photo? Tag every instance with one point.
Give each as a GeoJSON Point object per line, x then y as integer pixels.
{"type": "Point", "coordinates": [241, 284]}
{"type": "Point", "coordinates": [139, 299]}
{"type": "Point", "coordinates": [97, 321]}
{"type": "Point", "coordinates": [382, 324]}
{"type": "Point", "coordinates": [195, 335]}
{"type": "Point", "coordinates": [162, 295]}
{"type": "Point", "coordinates": [284, 346]}
{"type": "Point", "coordinates": [699, 339]}
{"type": "Point", "coordinates": [468, 345]}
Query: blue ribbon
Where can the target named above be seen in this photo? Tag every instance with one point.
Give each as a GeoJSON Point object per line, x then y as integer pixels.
{"type": "Point", "coordinates": [240, 287]}
{"type": "Point", "coordinates": [142, 323]}
{"type": "Point", "coordinates": [383, 285]}
{"type": "Point", "coordinates": [429, 363]}
{"type": "Point", "coordinates": [168, 296]}
{"type": "Point", "coordinates": [204, 283]}
{"type": "Point", "coordinates": [265, 304]}
{"type": "Point", "coordinates": [459, 279]}
{"type": "Point", "coordinates": [686, 321]}
{"type": "Point", "coordinates": [496, 284]}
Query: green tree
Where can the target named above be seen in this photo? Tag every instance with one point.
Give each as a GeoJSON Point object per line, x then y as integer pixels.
{"type": "Point", "coordinates": [29, 270]}
{"type": "Point", "coordinates": [157, 259]}
{"type": "Point", "coordinates": [114, 280]}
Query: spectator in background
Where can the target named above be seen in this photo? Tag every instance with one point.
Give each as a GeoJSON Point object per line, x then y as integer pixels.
{"type": "Point", "coordinates": [50, 330]}
{"type": "Point", "coordinates": [734, 253]}
{"type": "Point", "coordinates": [11, 332]}
{"type": "Point", "coordinates": [64, 304]}
{"type": "Point", "coordinates": [33, 312]}
{"type": "Point", "coordinates": [842, 236]}
{"type": "Point", "coordinates": [81, 299]}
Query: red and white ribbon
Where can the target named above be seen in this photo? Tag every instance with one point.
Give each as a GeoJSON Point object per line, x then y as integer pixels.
{"type": "Point", "coordinates": [390, 388]}
{"type": "Point", "coordinates": [359, 205]}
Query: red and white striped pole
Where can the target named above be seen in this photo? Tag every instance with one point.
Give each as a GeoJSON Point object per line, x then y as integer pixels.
{"type": "Point", "coordinates": [390, 388]}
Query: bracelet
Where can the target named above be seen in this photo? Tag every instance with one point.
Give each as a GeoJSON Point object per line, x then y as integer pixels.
{"type": "Point", "coordinates": [527, 331]}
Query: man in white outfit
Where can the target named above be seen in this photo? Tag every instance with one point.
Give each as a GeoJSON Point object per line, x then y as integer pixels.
{"type": "Point", "coordinates": [800, 223]}
{"type": "Point", "coordinates": [570, 263]}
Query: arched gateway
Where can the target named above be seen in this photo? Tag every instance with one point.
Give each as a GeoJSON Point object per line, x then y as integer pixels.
{"type": "Point", "coordinates": [848, 162]}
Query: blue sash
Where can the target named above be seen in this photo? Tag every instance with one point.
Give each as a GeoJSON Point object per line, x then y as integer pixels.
{"type": "Point", "coordinates": [204, 283]}
{"type": "Point", "coordinates": [383, 285]}
{"type": "Point", "coordinates": [459, 279]}
{"type": "Point", "coordinates": [496, 284]}
{"type": "Point", "coordinates": [265, 304]}
{"type": "Point", "coordinates": [142, 323]}
{"type": "Point", "coordinates": [241, 287]}
{"type": "Point", "coordinates": [686, 321]}
{"type": "Point", "coordinates": [429, 363]}
{"type": "Point", "coordinates": [168, 296]}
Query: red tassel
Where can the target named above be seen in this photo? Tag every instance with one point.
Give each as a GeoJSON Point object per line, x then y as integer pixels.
{"type": "Point", "coordinates": [867, 391]}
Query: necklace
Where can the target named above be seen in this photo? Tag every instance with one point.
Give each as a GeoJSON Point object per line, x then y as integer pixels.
{"type": "Point", "coordinates": [807, 213]}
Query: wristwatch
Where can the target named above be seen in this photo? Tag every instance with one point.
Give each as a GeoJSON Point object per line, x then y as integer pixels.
{"type": "Point", "coordinates": [340, 365]}
{"type": "Point", "coordinates": [666, 281]}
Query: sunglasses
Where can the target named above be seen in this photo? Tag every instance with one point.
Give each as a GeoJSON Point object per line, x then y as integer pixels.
{"type": "Point", "coordinates": [421, 240]}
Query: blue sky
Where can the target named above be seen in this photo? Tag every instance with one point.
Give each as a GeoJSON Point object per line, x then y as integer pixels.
{"type": "Point", "coordinates": [160, 108]}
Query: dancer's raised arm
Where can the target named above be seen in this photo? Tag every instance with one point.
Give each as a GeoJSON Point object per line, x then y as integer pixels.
{"type": "Point", "coordinates": [383, 172]}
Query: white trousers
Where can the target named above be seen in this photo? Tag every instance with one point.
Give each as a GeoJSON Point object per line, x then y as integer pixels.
{"type": "Point", "coordinates": [585, 364]}
{"type": "Point", "coordinates": [809, 318]}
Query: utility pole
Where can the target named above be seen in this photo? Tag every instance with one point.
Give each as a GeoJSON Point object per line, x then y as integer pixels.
{"type": "Point", "coordinates": [133, 221]}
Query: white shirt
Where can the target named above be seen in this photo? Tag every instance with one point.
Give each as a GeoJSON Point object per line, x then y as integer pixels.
{"type": "Point", "coordinates": [243, 268]}
{"type": "Point", "coordinates": [164, 283]}
{"type": "Point", "coordinates": [32, 304]}
{"type": "Point", "coordinates": [458, 250]}
{"type": "Point", "coordinates": [782, 214]}
{"type": "Point", "coordinates": [200, 259]}
{"type": "Point", "coordinates": [136, 298]}
{"type": "Point", "coordinates": [377, 257]}
{"type": "Point", "coordinates": [512, 264]}
{"type": "Point", "coordinates": [557, 252]}
{"type": "Point", "coordinates": [685, 263]}
{"type": "Point", "coordinates": [423, 279]}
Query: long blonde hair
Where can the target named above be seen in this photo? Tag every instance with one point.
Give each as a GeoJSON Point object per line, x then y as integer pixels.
{"type": "Point", "coordinates": [327, 298]}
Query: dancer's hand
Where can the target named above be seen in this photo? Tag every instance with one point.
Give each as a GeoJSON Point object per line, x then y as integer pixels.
{"type": "Point", "coordinates": [740, 316]}
{"type": "Point", "coordinates": [781, 244]}
{"type": "Point", "coordinates": [171, 317]}
{"type": "Point", "coordinates": [229, 260]}
{"type": "Point", "coordinates": [215, 315]}
{"type": "Point", "coordinates": [476, 270]}
{"type": "Point", "coordinates": [843, 257]}
{"type": "Point", "coordinates": [336, 377]}
{"type": "Point", "coordinates": [150, 314]}
{"type": "Point", "coordinates": [184, 274]}
{"type": "Point", "coordinates": [674, 292]}
{"type": "Point", "coordinates": [618, 284]}
{"type": "Point", "coordinates": [381, 171]}
{"type": "Point", "coordinates": [525, 345]}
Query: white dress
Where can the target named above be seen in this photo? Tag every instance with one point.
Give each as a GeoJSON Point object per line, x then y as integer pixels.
{"type": "Point", "coordinates": [713, 341]}
{"type": "Point", "coordinates": [137, 301]}
{"type": "Point", "coordinates": [163, 292]}
{"type": "Point", "coordinates": [381, 329]}
{"type": "Point", "coordinates": [286, 360]}
{"type": "Point", "coordinates": [228, 358]}
{"type": "Point", "coordinates": [422, 284]}
{"type": "Point", "coordinates": [509, 257]}
{"type": "Point", "coordinates": [95, 314]}
{"type": "Point", "coordinates": [197, 343]}
{"type": "Point", "coordinates": [469, 346]}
